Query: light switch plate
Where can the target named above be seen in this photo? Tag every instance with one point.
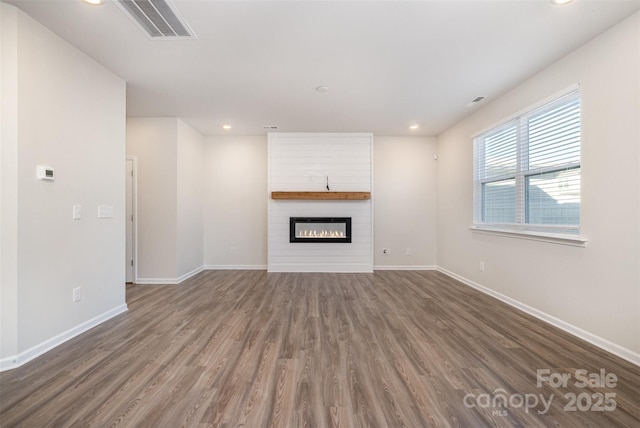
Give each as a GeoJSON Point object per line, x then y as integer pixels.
{"type": "Point", "coordinates": [105, 211]}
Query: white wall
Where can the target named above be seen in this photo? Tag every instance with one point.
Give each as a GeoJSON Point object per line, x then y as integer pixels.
{"type": "Point", "coordinates": [8, 182]}
{"type": "Point", "coordinates": [190, 246]}
{"type": "Point", "coordinates": [169, 156]}
{"type": "Point", "coordinates": [236, 197]}
{"type": "Point", "coordinates": [153, 141]}
{"type": "Point", "coordinates": [67, 112]}
{"type": "Point", "coordinates": [235, 202]}
{"type": "Point", "coordinates": [405, 202]}
{"type": "Point", "coordinates": [302, 162]}
{"type": "Point", "coordinates": [593, 291]}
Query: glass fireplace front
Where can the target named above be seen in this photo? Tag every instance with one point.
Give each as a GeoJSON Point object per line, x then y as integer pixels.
{"type": "Point", "coordinates": [320, 229]}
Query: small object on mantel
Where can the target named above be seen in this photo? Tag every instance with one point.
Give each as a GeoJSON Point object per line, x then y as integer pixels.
{"type": "Point", "coordinates": [324, 196]}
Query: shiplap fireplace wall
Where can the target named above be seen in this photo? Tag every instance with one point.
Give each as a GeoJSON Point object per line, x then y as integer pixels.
{"type": "Point", "coordinates": [308, 162]}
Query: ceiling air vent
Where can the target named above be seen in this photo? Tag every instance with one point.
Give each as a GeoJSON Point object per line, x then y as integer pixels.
{"type": "Point", "coordinates": [475, 101]}
{"type": "Point", "coordinates": [158, 18]}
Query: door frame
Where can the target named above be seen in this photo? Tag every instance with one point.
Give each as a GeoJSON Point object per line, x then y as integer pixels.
{"type": "Point", "coordinates": [134, 210]}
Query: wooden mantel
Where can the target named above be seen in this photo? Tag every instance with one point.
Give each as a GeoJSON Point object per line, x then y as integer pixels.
{"type": "Point", "coordinates": [323, 196]}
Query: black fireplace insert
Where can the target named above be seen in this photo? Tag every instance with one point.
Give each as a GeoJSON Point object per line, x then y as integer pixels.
{"type": "Point", "coordinates": [320, 229]}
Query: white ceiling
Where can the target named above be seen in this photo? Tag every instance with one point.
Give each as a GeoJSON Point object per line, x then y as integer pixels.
{"type": "Point", "coordinates": [388, 64]}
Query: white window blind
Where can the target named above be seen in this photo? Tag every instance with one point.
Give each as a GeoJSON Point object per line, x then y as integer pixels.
{"type": "Point", "coordinates": [527, 170]}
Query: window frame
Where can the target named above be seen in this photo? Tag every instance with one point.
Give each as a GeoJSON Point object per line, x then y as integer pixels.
{"type": "Point", "coordinates": [559, 233]}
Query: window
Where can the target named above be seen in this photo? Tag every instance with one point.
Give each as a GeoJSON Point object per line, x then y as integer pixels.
{"type": "Point", "coordinates": [527, 170]}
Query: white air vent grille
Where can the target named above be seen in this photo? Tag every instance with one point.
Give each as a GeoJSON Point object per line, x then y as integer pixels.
{"type": "Point", "coordinates": [158, 18]}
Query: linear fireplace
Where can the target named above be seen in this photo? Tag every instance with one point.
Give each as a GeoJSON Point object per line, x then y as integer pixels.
{"type": "Point", "coordinates": [320, 229]}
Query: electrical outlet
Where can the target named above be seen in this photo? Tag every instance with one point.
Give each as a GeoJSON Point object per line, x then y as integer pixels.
{"type": "Point", "coordinates": [76, 294]}
{"type": "Point", "coordinates": [386, 251]}
{"type": "Point", "coordinates": [408, 252]}
{"type": "Point", "coordinates": [482, 266]}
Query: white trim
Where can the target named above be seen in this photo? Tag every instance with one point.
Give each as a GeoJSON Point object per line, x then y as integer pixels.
{"type": "Point", "coordinates": [620, 351]}
{"type": "Point", "coordinates": [554, 238]}
{"type": "Point", "coordinates": [190, 274]}
{"type": "Point", "coordinates": [157, 281]}
{"type": "Point", "coordinates": [372, 201]}
{"type": "Point", "coordinates": [411, 267]}
{"type": "Point", "coordinates": [321, 267]}
{"type": "Point", "coordinates": [134, 159]}
{"type": "Point", "coordinates": [178, 280]}
{"type": "Point", "coordinates": [22, 358]}
{"type": "Point", "coordinates": [235, 267]}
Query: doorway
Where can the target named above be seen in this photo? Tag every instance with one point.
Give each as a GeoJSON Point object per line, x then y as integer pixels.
{"type": "Point", "coordinates": [130, 259]}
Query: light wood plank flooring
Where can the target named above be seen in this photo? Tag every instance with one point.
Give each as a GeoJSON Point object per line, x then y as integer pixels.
{"type": "Point", "coordinates": [251, 349]}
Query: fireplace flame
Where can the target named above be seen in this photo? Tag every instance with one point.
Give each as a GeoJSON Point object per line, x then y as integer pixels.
{"type": "Point", "coordinates": [320, 234]}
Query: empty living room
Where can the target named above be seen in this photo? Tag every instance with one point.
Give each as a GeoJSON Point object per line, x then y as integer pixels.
{"type": "Point", "coordinates": [305, 213]}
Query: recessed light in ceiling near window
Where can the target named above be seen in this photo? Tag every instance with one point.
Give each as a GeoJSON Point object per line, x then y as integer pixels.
{"type": "Point", "coordinates": [559, 2]}
{"type": "Point", "coordinates": [226, 127]}
{"type": "Point", "coordinates": [94, 2]}
{"type": "Point", "coordinates": [413, 127]}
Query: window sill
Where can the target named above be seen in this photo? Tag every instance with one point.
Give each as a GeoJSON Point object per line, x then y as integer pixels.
{"type": "Point", "coordinates": [553, 238]}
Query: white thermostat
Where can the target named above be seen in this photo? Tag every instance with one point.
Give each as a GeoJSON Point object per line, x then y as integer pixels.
{"type": "Point", "coordinates": [45, 173]}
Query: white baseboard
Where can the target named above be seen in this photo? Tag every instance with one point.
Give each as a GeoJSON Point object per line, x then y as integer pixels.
{"type": "Point", "coordinates": [598, 341]}
{"type": "Point", "coordinates": [189, 274]}
{"type": "Point", "coordinates": [157, 281]}
{"type": "Point", "coordinates": [235, 267]}
{"type": "Point", "coordinates": [398, 267]}
{"type": "Point", "coordinates": [22, 358]}
{"type": "Point", "coordinates": [322, 267]}
{"type": "Point", "coordinates": [178, 280]}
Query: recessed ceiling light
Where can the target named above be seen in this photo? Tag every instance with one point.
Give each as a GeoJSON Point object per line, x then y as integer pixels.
{"type": "Point", "coordinates": [561, 1]}
{"type": "Point", "coordinates": [226, 127]}
{"type": "Point", "coordinates": [322, 88]}
{"type": "Point", "coordinates": [94, 2]}
{"type": "Point", "coordinates": [413, 127]}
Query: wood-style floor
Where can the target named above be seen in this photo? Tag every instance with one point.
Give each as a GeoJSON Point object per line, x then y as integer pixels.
{"type": "Point", "coordinates": [251, 349]}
